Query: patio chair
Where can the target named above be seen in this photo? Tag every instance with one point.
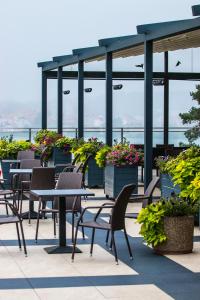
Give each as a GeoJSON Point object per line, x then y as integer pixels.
{"type": "Point", "coordinates": [43, 178]}
{"type": "Point", "coordinates": [27, 154]}
{"type": "Point", "coordinates": [73, 204]}
{"type": "Point", "coordinates": [14, 219]}
{"type": "Point", "coordinates": [117, 220]}
{"type": "Point", "coordinates": [6, 192]}
{"type": "Point", "coordinates": [146, 198]}
{"type": "Point", "coordinates": [21, 183]}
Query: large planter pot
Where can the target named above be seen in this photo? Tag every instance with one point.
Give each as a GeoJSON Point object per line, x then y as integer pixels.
{"type": "Point", "coordinates": [61, 157]}
{"type": "Point", "coordinates": [167, 186]}
{"type": "Point", "coordinates": [117, 177]}
{"type": "Point", "coordinates": [6, 166]}
{"type": "Point", "coordinates": [179, 232]}
{"type": "Point", "coordinates": [94, 176]}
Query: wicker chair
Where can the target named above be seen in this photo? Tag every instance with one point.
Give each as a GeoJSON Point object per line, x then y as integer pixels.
{"type": "Point", "coordinates": [27, 154]}
{"type": "Point", "coordinates": [146, 198]}
{"type": "Point", "coordinates": [14, 219]}
{"type": "Point", "coordinates": [117, 220]}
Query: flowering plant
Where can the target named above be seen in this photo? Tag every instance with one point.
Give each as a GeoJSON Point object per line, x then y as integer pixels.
{"type": "Point", "coordinates": [10, 149]}
{"type": "Point", "coordinates": [124, 155]}
{"type": "Point", "coordinates": [46, 137]}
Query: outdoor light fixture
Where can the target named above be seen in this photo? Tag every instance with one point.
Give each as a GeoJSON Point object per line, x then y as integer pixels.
{"type": "Point", "coordinates": [117, 87]}
{"type": "Point", "coordinates": [158, 82]}
{"type": "Point", "coordinates": [67, 92]}
{"type": "Point", "coordinates": [178, 63]}
{"type": "Point", "coordinates": [88, 90]}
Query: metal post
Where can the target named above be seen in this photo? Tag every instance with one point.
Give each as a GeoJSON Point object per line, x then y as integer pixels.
{"type": "Point", "coordinates": [80, 99]}
{"type": "Point", "coordinates": [60, 101]}
{"type": "Point", "coordinates": [148, 112]}
{"type": "Point", "coordinates": [44, 100]}
{"type": "Point", "coordinates": [166, 100]}
{"type": "Point", "coordinates": [29, 134]}
{"type": "Point", "coordinates": [109, 101]}
{"type": "Point", "coordinates": [122, 135]}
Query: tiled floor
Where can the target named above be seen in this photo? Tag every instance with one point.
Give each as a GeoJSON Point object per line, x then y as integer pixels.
{"type": "Point", "coordinates": [43, 276]}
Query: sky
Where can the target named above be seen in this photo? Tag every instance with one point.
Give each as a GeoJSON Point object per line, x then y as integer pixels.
{"type": "Point", "coordinates": [34, 31]}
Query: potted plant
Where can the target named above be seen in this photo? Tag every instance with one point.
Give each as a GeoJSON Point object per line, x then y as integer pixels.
{"type": "Point", "coordinates": [121, 168]}
{"type": "Point", "coordinates": [46, 139]}
{"type": "Point", "coordinates": [167, 186]}
{"type": "Point", "coordinates": [182, 171]}
{"type": "Point", "coordinates": [168, 225]}
{"type": "Point", "coordinates": [9, 150]}
{"type": "Point", "coordinates": [94, 175]}
{"type": "Point", "coordinates": [62, 150]}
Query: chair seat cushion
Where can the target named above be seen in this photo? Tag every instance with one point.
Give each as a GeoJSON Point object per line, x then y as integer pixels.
{"type": "Point", "coordinates": [93, 224]}
{"type": "Point", "coordinates": [7, 220]}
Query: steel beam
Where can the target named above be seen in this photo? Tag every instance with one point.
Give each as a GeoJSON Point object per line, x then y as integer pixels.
{"type": "Point", "coordinates": [60, 101]}
{"type": "Point", "coordinates": [109, 100]}
{"type": "Point", "coordinates": [166, 100]}
{"type": "Point", "coordinates": [81, 99]}
{"type": "Point", "coordinates": [44, 100]}
{"type": "Point", "coordinates": [148, 112]}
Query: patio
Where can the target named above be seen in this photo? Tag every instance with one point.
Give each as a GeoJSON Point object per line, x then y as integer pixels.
{"type": "Point", "coordinates": [43, 276]}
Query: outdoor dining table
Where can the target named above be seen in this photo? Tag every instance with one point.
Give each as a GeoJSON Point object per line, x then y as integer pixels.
{"type": "Point", "coordinates": [62, 194]}
{"type": "Point", "coordinates": [11, 161]}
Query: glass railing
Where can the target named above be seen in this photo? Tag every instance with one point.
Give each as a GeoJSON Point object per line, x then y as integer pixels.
{"type": "Point", "coordinates": [133, 134]}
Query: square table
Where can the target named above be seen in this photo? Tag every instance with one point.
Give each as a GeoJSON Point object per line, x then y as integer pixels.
{"type": "Point", "coordinates": [61, 193]}
{"type": "Point", "coordinates": [21, 171]}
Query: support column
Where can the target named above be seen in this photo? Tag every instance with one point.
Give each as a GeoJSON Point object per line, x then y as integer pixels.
{"type": "Point", "coordinates": [80, 99]}
{"type": "Point", "coordinates": [148, 112]}
{"type": "Point", "coordinates": [166, 100]}
{"type": "Point", "coordinates": [44, 100]}
{"type": "Point", "coordinates": [109, 100]}
{"type": "Point", "coordinates": [60, 101]}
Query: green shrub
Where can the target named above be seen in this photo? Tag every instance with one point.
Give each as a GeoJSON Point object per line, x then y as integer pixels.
{"type": "Point", "coordinates": [101, 156]}
{"type": "Point", "coordinates": [91, 147]}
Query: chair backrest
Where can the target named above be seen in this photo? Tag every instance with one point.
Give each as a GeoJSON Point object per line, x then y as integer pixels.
{"type": "Point", "coordinates": [149, 191]}
{"type": "Point", "coordinates": [43, 178]}
{"type": "Point", "coordinates": [28, 164]}
{"type": "Point", "coordinates": [69, 180]}
{"type": "Point", "coordinates": [27, 154]}
{"type": "Point", "coordinates": [119, 210]}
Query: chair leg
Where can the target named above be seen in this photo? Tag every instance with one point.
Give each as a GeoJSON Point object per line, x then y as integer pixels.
{"type": "Point", "coordinates": [107, 236]}
{"type": "Point", "coordinates": [73, 226]}
{"type": "Point", "coordinates": [21, 196]}
{"type": "Point", "coordinates": [92, 241]}
{"type": "Point", "coordinates": [23, 239]}
{"type": "Point", "coordinates": [83, 231]}
{"type": "Point", "coordinates": [54, 224]}
{"type": "Point", "coordinates": [38, 220]}
{"type": "Point", "coordinates": [18, 236]}
{"type": "Point", "coordinates": [128, 245]}
{"type": "Point", "coordinates": [74, 244]}
{"type": "Point", "coordinates": [114, 246]}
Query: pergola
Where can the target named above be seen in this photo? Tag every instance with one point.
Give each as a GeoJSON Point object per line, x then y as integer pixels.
{"type": "Point", "coordinates": [150, 38]}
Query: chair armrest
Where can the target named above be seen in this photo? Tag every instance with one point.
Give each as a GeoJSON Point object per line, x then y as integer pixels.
{"type": "Point", "coordinates": [94, 207]}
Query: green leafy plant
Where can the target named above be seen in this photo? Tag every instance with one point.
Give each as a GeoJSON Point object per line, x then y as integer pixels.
{"type": "Point", "coordinates": [151, 218]}
{"type": "Point", "coordinates": [65, 143]}
{"type": "Point", "coordinates": [101, 156]}
{"type": "Point", "coordinates": [91, 147]}
{"type": "Point", "coordinates": [161, 163]}
{"type": "Point", "coordinates": [184, 169]}
{"type": "Point", "coordinates": [10, 149]}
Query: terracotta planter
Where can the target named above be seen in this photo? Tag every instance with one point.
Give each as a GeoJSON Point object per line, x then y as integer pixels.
{"type": "Point", "coordinates": [179, 232]}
